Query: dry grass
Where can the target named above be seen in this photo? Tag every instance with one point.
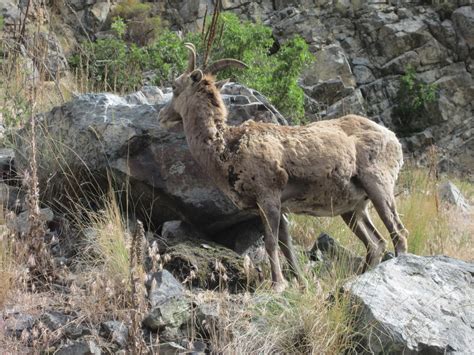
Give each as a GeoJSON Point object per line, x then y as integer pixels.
{"type": "Point", "coordinates": [314, 320]}
{"type": "Point", "coordinates": [319, 319]}
{"type": "Point", "coordinates": [109, 238]}
{"type": "Point", "coordinates": [109, 279]}
{"type": "Point", "coordinates": [16, 77]}
{"type": "Point", "coordinates": [110, 282]}
{"type": "Point", "coordinates": [434, 226]}
{"type": "Point", "coordinates": [7, 264]}
{"type": "Point", "coordinates": [104, 273]}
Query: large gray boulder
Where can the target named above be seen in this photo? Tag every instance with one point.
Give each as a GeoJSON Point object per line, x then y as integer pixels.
{"type": "Point", "coordinates": [94, 135]}
{"type": "Point", "coordinates": [414, 304]}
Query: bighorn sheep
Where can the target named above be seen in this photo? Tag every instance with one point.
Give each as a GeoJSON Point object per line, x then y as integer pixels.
{"type": "Point", "coordinates": [326, 168]}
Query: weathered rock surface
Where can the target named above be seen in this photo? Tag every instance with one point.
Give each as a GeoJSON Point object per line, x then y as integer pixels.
{"type": "Point", "coordinates": [413, 304]}
{"type": "Point", "coordinates": [200, 263]}
{"type": "Point", "coordinates": [170, 305]}
{"type": "Point", "coordinates": [54, 320]}
{"type": "Point", "coordinates": [162, 285]}
{"type": "Point", "coordinates": [21, 225]}
{"type": "Point", "coordinates": [12, 197]}
{"type": "Point", "coordinates": [116, 332]}
{"type": "Point", "coordinates": [171, 313]}
{"type": "Point", "coordinates": [451, 194]}
{"type": "Point", "coordinates": [80, 347]}
{"type": "Point", "coordinates": [363, 48]}
{"type": "Point", "coordinates": [103, 133]}
{"type": "Point", "coordinates": [15, 323]}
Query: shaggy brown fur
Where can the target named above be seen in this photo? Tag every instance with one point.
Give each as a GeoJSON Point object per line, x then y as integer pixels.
{"type": "Point", "coordinates": [327, 168]}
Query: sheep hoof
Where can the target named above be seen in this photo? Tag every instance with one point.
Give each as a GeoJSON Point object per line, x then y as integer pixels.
{"type": "Point", "coordinates": [280, 286]}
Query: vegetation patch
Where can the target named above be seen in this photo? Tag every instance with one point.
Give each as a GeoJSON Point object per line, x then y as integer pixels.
{"type": "Point", "coordinates": [118, 64]}
{"type": "Point", "coordinates": [413, 101]}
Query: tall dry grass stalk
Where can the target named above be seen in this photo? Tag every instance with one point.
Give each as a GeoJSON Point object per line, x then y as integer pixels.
{"type": "Point", "coordinates": [7, 263]}
{"type": "Point", "coordinates": [111, 239]}
{"type": "Point", "coordinates": [111, 282]}
{"type": "Point", "coordinates": [138, 302]}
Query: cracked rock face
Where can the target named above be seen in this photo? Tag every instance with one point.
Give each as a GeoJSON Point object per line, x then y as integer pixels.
{"type": "Point", "coordinates": [414, 304]}
{"type": "Point", "coordinates": [106, 133]}
{"type": "Point", "coordinates": [362, 50]}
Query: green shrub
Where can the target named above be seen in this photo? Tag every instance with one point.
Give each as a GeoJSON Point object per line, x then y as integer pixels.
{"type": "Point", "coordinates": [141, 28]}
{"type": "Point", "coordinates": [132, 9]}
{"type": "Point", "coordinates": [113, 64]}
{"type": "Point", "coordinates": [445, 10]}
{"type": "Point", "coordinates": [273, 74]}
{"type": "Point", "coordinates": [413, 99]}
{"type": "Point", "coordinates": [119, 27]}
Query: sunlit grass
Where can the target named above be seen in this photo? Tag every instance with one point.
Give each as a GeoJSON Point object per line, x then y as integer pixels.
{"type": "Point", "coordinates": [109, 239]}
{"type": "Point", "coordinates": [7, 262]}
{"type": "Point", "coordinates": [315, 320]}
{"type": "Point", "coordinates": [434, 226]}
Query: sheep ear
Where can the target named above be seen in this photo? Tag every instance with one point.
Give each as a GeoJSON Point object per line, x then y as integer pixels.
{"type": "Point", "coordinates": [220, 84]}
{"type": "Point", "coordinates": [196, 75]}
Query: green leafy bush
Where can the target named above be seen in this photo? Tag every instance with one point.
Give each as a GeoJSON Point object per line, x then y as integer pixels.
{"type": "Point", "coordinates": [272, 71]}
{"type": "Point", "coordinates": [413, 99]}
{"type": "Point", "coordinates": [119, 26]}
{"type": "Point", "coordinates": [113, 64]}
{"type": "Point", "coordinates": [142, 28]}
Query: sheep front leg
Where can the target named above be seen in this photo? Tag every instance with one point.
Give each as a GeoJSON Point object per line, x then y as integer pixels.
{"type": "Point", "coordinates": [286, 246]}
{"type": "Point", "coordinates": [270, 214]}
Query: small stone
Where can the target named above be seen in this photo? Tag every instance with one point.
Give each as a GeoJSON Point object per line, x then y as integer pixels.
{"type": "Point", "coordinates": [207, 315]}
{"type": "Point", "coordinates": [163, 285]}
{"type": "Point", "coordinates": [16, 323]}
{"type": "Point", "coordinates": [171, 313]}
{"type": "Point", "coordinates": [54, 320]}
{"type": "Point", "coordinates": [83, 347]}
{"type": "Point", "coordinates": [116, 332]}
{"type": "Point", "coordinates": [7, 161]}
{"type": "Point", "coordinates": [12, 197]}
{"type": "Point", "coordinates": [451, 194]}
{"type": "Point", "coordinates": [75, 331]}
{"type": "Point", "coordinates": [332, 251]}
{"type": "Point", "coordinates": [194, 346]}
{"type": "Point", "coordinates": [388, 256]}
{"type": "Point", "coordinates": [171, 348]}
{"type": "Point", "coordinates": [21, 225]}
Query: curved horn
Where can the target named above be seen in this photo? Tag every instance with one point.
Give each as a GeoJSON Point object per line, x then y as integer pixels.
{"type": "Point", "coordinates": [224, 64]}
{"type": "Point", "coordinates": [192, 56]}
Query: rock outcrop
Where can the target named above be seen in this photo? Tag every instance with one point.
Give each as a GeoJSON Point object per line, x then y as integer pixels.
{"type": "Point", "coordinates": [414, 304]}
{"type": "Point", "coordinates": [363, 48]}
{"type": "Point", "coordinates": [104, 134]}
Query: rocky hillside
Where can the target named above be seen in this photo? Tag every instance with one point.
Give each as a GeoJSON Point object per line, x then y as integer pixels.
{"type": "Point", "coordinates": [367, 53]}
{"type": "Point", "coordinates": [81, 274]}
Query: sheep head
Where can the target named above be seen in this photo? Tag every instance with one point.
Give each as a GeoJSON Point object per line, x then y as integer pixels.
{"type": "Point", "coordinates": [169, 115]}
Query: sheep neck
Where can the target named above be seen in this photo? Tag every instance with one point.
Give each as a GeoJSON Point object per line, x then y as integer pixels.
{"type": "Point", "coordinates": [205, 128]}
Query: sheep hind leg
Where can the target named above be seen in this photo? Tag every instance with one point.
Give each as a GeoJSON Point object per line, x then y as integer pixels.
{"type": "Point", "coordinates": [286, 246]}
{"type": "Point", "coordinates": [354, 222]}
{"type": "Point", "coordinates": [383, 200]}
{"type": "Point", "coordinates": [270, 214]}
{"type": "Point", "coordinates": [375, 234]}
